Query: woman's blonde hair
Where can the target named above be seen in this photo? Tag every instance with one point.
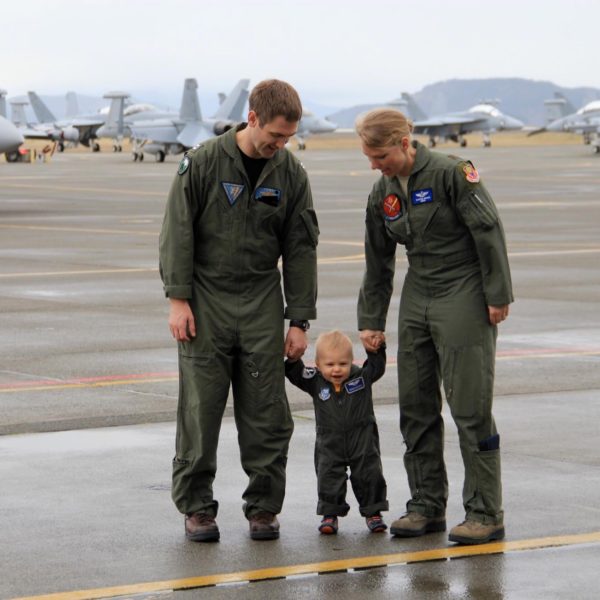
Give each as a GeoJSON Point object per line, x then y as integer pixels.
{"type": "Point", "coordinates": [383, 127]}
{"type": "Point", "coordinates": [332, 340]}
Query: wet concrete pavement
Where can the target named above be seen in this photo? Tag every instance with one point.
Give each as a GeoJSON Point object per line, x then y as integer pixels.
{"type": "Point", "coordinates": [85, 345]}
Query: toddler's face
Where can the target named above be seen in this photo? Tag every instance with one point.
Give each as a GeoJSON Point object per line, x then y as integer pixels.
{"type": "Point", "coordinates": [335, 364]}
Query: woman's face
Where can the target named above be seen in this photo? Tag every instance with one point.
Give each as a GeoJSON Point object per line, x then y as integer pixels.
{"type": "Point", "coordinates": [391, 160]}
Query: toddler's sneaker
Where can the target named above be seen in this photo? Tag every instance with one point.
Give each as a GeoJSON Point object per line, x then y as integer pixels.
{"type": "Point", "coordinates": [329, 525]}
{"type": "Point", "coordinates": [375, 524]}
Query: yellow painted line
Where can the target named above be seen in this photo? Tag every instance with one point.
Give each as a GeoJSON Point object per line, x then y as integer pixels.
{"type": "Point", "coordinates": [95, 384]}
{"type": "Point", "coordinates": [360, 562]}
{"type": "Point", "coordinates": [549, 355]}
{"type": "Point", "coordinates": [64, 188]}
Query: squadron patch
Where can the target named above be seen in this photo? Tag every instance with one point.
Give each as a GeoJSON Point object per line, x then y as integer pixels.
{"type": "Point", "coordinates": [392, 207]}
{"type": "Point", "coordinates": [270, 196]}
{"type": "Point", "coordinates": [325, 394]}
{"type": "Point", "coordinates": [233, 191]}
{"type": "Point", "coordinates": [471, 174]}
{"type": "Point", "coordinates": [421, 196]}
{"type": "Point", "coordinates": [184, 165]}
{"type": "Point", "coordinates": [355, 385]}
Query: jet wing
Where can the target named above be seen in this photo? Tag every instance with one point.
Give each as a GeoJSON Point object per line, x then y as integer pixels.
{"type": "Point", "coordinates": [443, 122]}
{"type": "Point", "coordinates": [195, 133]}
{"type": "Point", "coordinates": [160, 131]}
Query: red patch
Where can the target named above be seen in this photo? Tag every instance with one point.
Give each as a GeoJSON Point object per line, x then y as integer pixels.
{"type": "Point", "coordinates": [471, 173]}
{"type": "Point", "coordinates": [392, 207]}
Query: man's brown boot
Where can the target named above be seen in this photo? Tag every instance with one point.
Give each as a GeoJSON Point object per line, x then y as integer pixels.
{"type": "Point", "coordinates": [414, 524]}
{"type": "Point", "coordinates": [474, 532]}
{"type": "Point", "coordinates": [200, 527]}
{"type": "Point", "coordinates": [264, 526]}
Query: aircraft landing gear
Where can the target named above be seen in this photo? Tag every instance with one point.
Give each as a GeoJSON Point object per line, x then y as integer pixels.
{"type": "Point", "coordinates": [487, 142]}
{"type": "Point", "coordinates": [160, 156]}
{"type": "Point", "coordinates": [61, 146]}
{"type": "Point", "coordinates": [138, 156]}
{"type": "Point", "coordinates": [95, 146]}
{"type": "Point", "coordinates": [117, 148]}
{"type": "Point", "coordinates": [463, 142]}
{"type": "Point", "coordinates": [431, 143]}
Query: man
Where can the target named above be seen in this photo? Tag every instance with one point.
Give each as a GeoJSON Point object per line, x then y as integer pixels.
{"type": "Point", "coordinates": [238, 204]}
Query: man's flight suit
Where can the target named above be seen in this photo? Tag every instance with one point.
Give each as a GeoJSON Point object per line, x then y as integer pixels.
{"type": "Point", "coordinates": [347, 436]}
{"type": "Point", "coordinates": [219, 248]}
{"type": "Point", "coordinates": [458, 266]}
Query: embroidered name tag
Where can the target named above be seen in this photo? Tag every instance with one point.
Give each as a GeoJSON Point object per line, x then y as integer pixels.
{"type": "Point", "coordinates": [421, 196]}
{"type": "Point", "coordinates": [355, 385]}
{"type": "Point", "coordinates": [270, 196]}
{"type": "Point", "coordinates": [233, 191]}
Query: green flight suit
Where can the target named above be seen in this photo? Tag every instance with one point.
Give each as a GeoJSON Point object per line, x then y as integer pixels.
{"type": "Point", "coordinates": [458, 266]}
{"type": "Point", "coordinates": [219, 248]}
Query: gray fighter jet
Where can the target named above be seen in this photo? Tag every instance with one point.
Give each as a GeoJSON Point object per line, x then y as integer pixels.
{"type": "Point", "coordinates": [10, 137]}
{"type": "Point", "coordinates": [310, 123]}
{"type": "Point", "coordinates": [174, 135]}
{"type": "Point", "coordinates": [585, 121]}
{"type": "Point", "coordinates": [484, 117]}
{"type": "Point", "coordinates": [80, 129]}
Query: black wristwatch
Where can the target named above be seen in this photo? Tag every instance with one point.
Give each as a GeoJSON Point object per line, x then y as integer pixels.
{"type": "Point", "coordinates": [304, 325]}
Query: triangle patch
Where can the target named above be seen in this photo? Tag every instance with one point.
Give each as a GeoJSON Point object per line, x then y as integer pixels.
{"type": "Point", "coordinates": [233, 191]}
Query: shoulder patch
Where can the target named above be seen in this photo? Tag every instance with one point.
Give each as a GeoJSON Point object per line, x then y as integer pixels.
{"type": "Point", "coordinates": [308, 372]}
{"type": "Point", "coordinates": [471, 174]}
{"type": "Point", "coordinates": [184, 165]}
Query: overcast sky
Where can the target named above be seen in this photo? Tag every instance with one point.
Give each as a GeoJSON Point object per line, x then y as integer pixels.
{"type": "Point", "coordinates": [336, 52]}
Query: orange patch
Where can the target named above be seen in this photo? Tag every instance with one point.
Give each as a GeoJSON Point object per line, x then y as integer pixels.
{"type": "Point", "coordinates": [392, 207]}
{"type": "Point", "coordinates": [471, 173]}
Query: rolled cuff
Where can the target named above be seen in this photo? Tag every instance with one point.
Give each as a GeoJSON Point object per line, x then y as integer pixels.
{"type": "Point", "coordinates": [184, 292]}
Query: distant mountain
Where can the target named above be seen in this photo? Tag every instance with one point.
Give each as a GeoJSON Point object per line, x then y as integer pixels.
{"type": "Point", "coordinates": [521, 98]}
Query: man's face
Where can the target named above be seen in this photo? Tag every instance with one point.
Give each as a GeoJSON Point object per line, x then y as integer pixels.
{"type": "Point", "coordinates": [335, 364]}
{"type": "Point", "coordinates": [391, 160]}
{"type": "Point", "coordinates": [267, 138]}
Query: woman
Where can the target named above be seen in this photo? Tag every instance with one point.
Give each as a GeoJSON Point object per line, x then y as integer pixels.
{"type": "Point", "coordinates": [456, 291]}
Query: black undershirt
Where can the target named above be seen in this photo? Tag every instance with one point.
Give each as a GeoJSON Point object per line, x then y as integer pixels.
{"type": "Point", "coordinates": [253, 166]}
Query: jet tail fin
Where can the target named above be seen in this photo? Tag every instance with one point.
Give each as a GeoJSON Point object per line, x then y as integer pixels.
{"type": "Point", "coordinates": [72, 109]}
{"type": "Point", "coordinates": [190, 105]}
{"type": "Point", "coordinates": [557, 108]}
{"type": "Point", "coordinates": [233, 106]}
{"type": "Point", "coordinates": [116, 110]}
{"type": "Point", "coordinates": [414, 110]}
{"type": "Point", "coordinates": [2, 103]}
{"type": "Point", "coordinates": [18, 116]}
{"type": "Point", "coordinates": [42, 112]}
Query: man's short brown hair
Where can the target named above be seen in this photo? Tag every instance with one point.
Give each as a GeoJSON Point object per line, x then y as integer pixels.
{"type": "Point", "coordinates": [272, 98]}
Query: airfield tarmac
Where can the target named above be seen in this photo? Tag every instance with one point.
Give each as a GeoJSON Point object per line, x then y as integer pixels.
{"type": "Point", "coordinates": [88, 388]}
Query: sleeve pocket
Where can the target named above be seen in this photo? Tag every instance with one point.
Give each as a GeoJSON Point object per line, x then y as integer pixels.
{"type": "Point", "coordinates": [309, 217]}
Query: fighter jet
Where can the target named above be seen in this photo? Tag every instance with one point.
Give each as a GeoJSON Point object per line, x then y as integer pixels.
{"type": "Point", "coordinates": [10, 137]}
{"type": "Point", "coordinates": [174, 135]}
{"type": "Point", "coordinates": [585, 121]}
{"type": "Point", "coordinates": [122, 113]}
{"type": "Point", "coordinates": [310, 123]}
{"type": "Point", "coordinates": [80, 129]}
{"type": "Point", "coordinates": [484, 117]}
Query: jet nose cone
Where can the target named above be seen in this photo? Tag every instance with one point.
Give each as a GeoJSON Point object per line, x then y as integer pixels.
{"type": "Point", "coordinates": [513, 123]}
{"type": "Point", "coordinates": [328, 125]}
{"type": "Point", "coordinates": [10, 136]}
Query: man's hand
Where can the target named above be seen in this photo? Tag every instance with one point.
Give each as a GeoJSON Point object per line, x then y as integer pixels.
{"type": "Point", "coordinates": [181, 320]}
{"type": "Point", "coordinates": [295, 343]}
{"type": "Point", "coordinates": [372, 339]}
{"type": "Point", "coordinates": [497, 314]}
